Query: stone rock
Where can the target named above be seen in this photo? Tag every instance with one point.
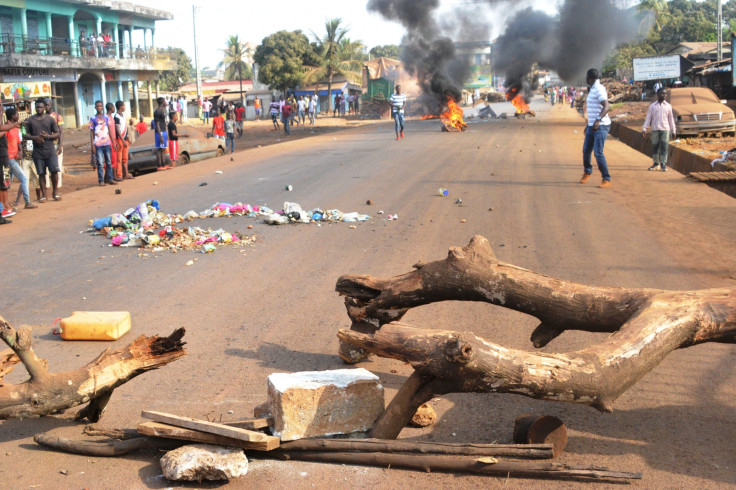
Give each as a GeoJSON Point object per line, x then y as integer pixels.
{"type": "Point", "coordinates": [262, 411]}
{"type": "Point", "coordinates": [424, 416]}
{"type": "Point", "coordinates": [198, 462]}
{"type": "Point", "coordinates": [321, 403]}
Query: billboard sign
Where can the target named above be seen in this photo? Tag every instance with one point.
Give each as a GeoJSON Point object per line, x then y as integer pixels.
{"type": "Point", "coordinates": [25, 90]}
{"type": "Point", "coordinates": [656, 68]}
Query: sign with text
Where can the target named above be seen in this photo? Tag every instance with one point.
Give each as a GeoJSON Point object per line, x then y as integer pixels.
{"type": "Point", "coordinates": [656, 68]}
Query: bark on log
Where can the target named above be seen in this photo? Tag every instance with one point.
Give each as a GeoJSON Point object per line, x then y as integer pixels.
{"type": "Point", "coordinates": [460, 464]}
{"type": "Point", "coordinates": [647, 324]}
{"type": "Point", "coordinates": [534, 451]}
{"type": "Point", "coordinates": [107, 448]}
{"type": "Point", "coordinates": [46, 393]}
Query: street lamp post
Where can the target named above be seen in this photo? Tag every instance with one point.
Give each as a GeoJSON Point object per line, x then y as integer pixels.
{"type": "Point", "coordinates": [196, 60]}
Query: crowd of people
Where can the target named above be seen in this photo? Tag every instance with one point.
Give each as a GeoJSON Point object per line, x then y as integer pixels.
{"type": "Point", "coordinates": [31, 152]}
{"type": "Point", "coordinates": [560, 95]}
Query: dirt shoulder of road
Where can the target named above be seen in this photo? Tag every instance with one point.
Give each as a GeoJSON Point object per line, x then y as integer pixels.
{"type": "Point", "coordinates": [632, 114]}
{"type": "Point", "coordinates": [79, 174]}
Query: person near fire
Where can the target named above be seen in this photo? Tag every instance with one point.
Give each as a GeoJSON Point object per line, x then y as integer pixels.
{"type": "Point", "coordinates": [398, 101]}
{"type": "Point", "coordinates": [597, 129]}
{"type": "Point", "coordinates": [662, 121]}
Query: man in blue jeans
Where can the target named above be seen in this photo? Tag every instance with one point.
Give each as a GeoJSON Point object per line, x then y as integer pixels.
{"type": "Point", "coordinates": [398, 101]}
{"type": "Point", "coordinates": [597, 129]}
{"type": "Point", "coordinates": [101, 142]}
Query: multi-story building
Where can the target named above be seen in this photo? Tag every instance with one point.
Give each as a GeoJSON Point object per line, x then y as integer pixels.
{"type": "Point", "coordinates": [50, 47]}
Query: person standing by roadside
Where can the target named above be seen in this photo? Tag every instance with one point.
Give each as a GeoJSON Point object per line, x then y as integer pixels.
{"type": "Point", "coordinates": [275, 110]}
{"type": "Point", "coordinates": [312, 109]}
{"type": "Point", "coordinates": [43, 130]}
{"type": "Point", "coordinates": [174, 138]}
{"type": "Point", "coordinates": [302, 108]}
{"type": "Point", "coordinates": [286, 113]}
{"type": "Point", "coordinates": [15, 153]}
{"type": "Point", "coordinates": [101, 143]}
{"type": "Point", "coordinates": [218, 126]}
{"type": "Point", "coordinates": [206, 108]}
{"type": "Point", "coordinates": [257, 104]}
{"type": "Point", "coordinates": [161, 138]}
{"type": "Point", "coordinates": [230, 125]}
{"type": "Point", "coordinates": [57, 143]}
{"type": "Point", "coordinates": [398, 101]}
{"type": "Point", "coordinates": [123, 141]}
{"type": "Point", "coordinates": [183, 106]}
{"type": "Point", "coordinates": [662, 121]}
{"type": "Point", "coordinates": [110, 108]}
{"type": "Point", "coordinates": [5, 172]}
{"type": "Point", "coordinates": [597, 129]}
{"type": "Point", "coordinates": [239, 118]}
{"type": "Point", "coordinates": [141, 127]}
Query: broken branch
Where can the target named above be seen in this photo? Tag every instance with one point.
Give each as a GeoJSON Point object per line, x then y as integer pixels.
{"type": "Point", "coordinates": [45, 393]}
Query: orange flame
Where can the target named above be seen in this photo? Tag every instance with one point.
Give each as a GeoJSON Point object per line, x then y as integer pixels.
{"type": "Point", "coordinates": [521, 106]}
{"type": "Point", "coordinates": [453, 116]}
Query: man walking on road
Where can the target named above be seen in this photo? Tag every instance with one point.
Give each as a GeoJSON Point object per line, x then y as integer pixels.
{"type": "Point", "coordinates": [43, 130]}
{"type": "Point", "coordinates": [398, 101]}
{"type": "Point", "coordinates": [660, 117]}
{"type": "Point", "coordinates": [597, 129]}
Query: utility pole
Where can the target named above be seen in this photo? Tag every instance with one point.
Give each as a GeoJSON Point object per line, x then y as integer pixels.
{"type": "Point", "coordinates": [719, 31]}
{"type": "Point", "coordinates": [196, 59]}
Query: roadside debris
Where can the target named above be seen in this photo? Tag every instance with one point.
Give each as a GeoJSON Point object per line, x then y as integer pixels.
{"type": "Point", "coordinates": [95, 325]}
{"type": "Point", "coordinates": [322, 403]}
{"type": "Point", "coordinates": [443, 192]}
{"type": "Point", "coordinates": [199, 462]}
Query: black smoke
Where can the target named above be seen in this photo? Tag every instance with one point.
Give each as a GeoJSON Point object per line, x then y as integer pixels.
{"type": "Point", "coordinates": [576, 39]}
{"type": "Point", "coordinates": [569, 43]}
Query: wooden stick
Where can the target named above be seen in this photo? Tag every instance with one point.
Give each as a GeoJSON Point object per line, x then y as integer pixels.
{"type": "Point", "coordinates": [535, 451]}
{"type": "Point", "coordinates": [121, 434]}
{"type": "Point", "coordinates": [401, 409]}
{"type": "Point", "coordinates": [460, 464]}
{"type": "Point", "coordinates": [112, 447]}
{"type": "Point", "coordinates": [251, 424]}
{"type": "Point", "coordinates": [253, 440]}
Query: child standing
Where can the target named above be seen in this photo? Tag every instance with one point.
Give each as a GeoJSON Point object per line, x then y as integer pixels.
{"type": "Point", "coordinates": [174, 138]}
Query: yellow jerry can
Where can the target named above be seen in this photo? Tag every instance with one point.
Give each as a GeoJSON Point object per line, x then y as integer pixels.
{"type": "Point", "coordinates": [95, 325]}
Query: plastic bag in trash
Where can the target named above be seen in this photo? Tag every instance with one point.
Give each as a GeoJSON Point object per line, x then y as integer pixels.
{"type": "Point", "coordinates": [276, 219]}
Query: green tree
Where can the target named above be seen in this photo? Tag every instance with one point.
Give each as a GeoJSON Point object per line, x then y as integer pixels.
{"type": "Point", "coordinates": [386, 51]}
{"type": "Point", "coordinates": [336, 55]}
{"type": "Point", "coordinates": [236, 62]}
{"type": "Point", "coordinates": [281, 58]}
{"type": "Point", "coordinates": [170, 80]}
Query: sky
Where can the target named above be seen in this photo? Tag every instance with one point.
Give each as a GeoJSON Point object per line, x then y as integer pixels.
{"type": "Point", "coordinates": [253, 20]}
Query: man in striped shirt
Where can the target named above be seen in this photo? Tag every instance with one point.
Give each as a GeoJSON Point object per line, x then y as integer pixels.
{"type": "Point", "coordinates": [398, 101]}
{"type": "Point", "coordinates": [660, 117]}
{"type": "Point", "coordinates": [597, 129]}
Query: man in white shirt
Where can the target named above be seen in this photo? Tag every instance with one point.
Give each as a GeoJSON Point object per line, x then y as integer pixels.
{"type": "Point", "coordinates": [597, 129]}
{"type": "Point", "coordinates": [662, 121]}
{"type": "Point", "coordinates": [398, 101]}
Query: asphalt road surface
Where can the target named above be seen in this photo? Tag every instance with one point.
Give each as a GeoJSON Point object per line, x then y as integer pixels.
{"type": "Point", "coordinates": [272, 307]}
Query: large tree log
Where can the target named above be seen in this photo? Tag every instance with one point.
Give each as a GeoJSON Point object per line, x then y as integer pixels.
{"type": "Point", "coordinates": [46, 393]}
{"type": "Point", "coordinates": [647, 324]}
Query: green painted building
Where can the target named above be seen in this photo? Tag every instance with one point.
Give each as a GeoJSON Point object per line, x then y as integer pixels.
{"type": "Point", "coordinates": [82, 51]}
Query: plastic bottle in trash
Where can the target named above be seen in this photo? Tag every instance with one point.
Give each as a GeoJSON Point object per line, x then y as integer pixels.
{"type": "Point", "coordinates": [443, 192]}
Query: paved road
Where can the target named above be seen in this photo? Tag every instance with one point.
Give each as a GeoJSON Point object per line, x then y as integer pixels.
{"type": "Point", "coordinates": [273, 307]}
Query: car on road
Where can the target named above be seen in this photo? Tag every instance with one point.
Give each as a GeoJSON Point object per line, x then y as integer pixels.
{"type": "Point", "coordinates": [698, 111]}
{"type": "Point", "coordinates": [197, 146]}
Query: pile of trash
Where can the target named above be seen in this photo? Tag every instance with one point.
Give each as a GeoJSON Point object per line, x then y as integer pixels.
{"type": "Point", "coordinates": [727, 157]}
{"type": "Point", "coordinates": [145, 226]}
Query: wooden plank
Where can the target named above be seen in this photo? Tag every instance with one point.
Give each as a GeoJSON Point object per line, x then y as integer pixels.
{"type": "Point", "coordinates": [250, 424]}
{"type": "Point", "coordinates": [254, 440]}
{"type": "Point", "coordinates": [157, 429]}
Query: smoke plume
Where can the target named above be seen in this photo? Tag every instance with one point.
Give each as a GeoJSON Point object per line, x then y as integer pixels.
{"type": "Point", "coordinates": [576, 39]}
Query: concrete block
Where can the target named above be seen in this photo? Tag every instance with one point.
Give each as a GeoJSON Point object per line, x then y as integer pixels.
{"type": "Point", "coordinates": [198, 462]}
{"type": "Point", "coordinates": [322, 403]}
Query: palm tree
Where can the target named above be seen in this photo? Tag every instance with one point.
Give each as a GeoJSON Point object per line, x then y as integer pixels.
{"type": "Point", "coordinates": [337, 56]}
{"type": "Point", "coordinates": [658, 13]}
{"type": "Point", "coordinates": [237, 54]}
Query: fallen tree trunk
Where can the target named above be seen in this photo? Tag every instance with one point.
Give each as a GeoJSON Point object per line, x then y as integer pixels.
{"type": "Point", "coordinates": [647, 324]}
{"type": "Point", "coordinates": [459, 464]}
{"type": "Point", "coordinates": [46, 393]}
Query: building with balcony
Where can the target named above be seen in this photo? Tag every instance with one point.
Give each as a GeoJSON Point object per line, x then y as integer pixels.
{"type": "Point", "coordinates": [50, 47]}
